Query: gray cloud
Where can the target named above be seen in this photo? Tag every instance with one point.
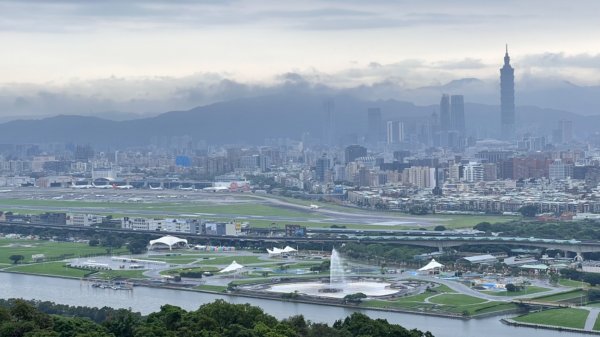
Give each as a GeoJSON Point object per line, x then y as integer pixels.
{"type": "Point", "coordinates": [561, 60]}
{"type": "Point", "coordinates": [150, 95]}
{"type": "Point", "coordinates": [66, 15]}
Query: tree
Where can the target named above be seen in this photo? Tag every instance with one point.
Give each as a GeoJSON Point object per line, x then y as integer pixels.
{"type": "Point", "coordinates": [16, 258]}
{"type": "Point", "coordinates": [592, 278]}
{"type": "Point", "coordinates": [137, 245]}
{"type": "Point", "coordinates": [529, 211]}
{"type": "Point", "coordinates": [593, 295]}
{"type": "Point", "coordinates": [439, 228]}
{"type": "Point", "coordinates": [354, 298]}
{"type": "Point", "coordinates": [94, 242]}
{"type": "Point", "coordinates": [512, 288]}
{"type": "Point", "coordinates": [419, 210]}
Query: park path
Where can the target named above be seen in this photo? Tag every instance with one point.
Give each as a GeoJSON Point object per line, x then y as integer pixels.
{"type": "Point", "coordinates": [591, 319]}
{"type": "Point", "coordinates": [463, 289]}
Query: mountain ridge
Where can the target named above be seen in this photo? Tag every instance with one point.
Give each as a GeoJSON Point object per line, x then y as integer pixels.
{"type": "Point", "coordinates": [251, 120]}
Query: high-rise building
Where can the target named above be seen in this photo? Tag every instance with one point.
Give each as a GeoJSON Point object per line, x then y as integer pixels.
{"type": "Point", "coordinates": [322, 168]}
{"type": "Point", "coordinates": [457, 114]}
{"type": "Point", "coordinates": [375, 124]}
{"type": "Point", "coordinates": [507, 99]}
{"type": "Point", "coordinates": [559, 170]}
{"type": "Point", "coordinates": [473, 172]}
{"type": "Point", "coordinates": [395, 132]}
{"type": "Point", "coordinates": [445, 123]}
{"type": "Point", "coordinates": [354, 151]}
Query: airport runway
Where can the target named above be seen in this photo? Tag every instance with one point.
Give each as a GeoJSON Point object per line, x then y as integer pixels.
{"type": "Point", "coordinates": [101, 199]}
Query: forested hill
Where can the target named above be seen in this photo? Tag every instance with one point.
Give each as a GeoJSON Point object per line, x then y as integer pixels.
{"type": "Point", "coordinates": [19, 318]}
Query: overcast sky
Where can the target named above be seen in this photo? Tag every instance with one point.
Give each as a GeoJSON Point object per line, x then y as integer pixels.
{"type": "Point", "coordinates": [110, 49]}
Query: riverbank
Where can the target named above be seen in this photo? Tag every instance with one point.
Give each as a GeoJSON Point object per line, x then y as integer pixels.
{"type": "Point", "coordinates": [147, 300]}
{"type": "Point", "coordinates": [301, 299]}
{"type": "Point", "coordinates": [511, 322]}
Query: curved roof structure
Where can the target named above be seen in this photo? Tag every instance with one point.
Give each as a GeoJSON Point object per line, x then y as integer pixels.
{"type": "Point", "coordinates": [232, 267]}
{"type": "Point", "coordinates": [277, 251]}
{"type": "Point", "coordinates": [168, 240]}
{"type": "Point", "coordinates": [433, 264]}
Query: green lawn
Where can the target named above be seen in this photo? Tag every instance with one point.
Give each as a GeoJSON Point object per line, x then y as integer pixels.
{"type": "Point", "coordinates": [213, 259]}
{"type": "Point", "coordinates": [249, 208]}
{"type": "Point", "coordinates": [597, 323]}
{"type": "Point", "coordinates": [50, 249]}
{"type": "Point", "coordinates": [572, 283]}
{"type": "Point", "coordinates": [209, 287]}
{"type": "Point", "coordinates": [49, 268]}
{"type": "Point", "coordinates": [569, 295]}
{"type": "Point", "coordinates": [471, 307]}
{"type": "Point", "coordinates": [527, 291]}
{"type": "Point", "coordinates": [60, 269]}
{"type": "Point", "coordinates": [456, 299]}
{"type": "Point", "coordinates": [568, 317]}
{"type": "Point", "coordinates": [225, 260]}
{"type": "Point", "coordinates": [467, 221]}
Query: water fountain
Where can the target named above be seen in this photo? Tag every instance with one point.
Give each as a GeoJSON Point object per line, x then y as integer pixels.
{"type": "Point", "coordinates": [337, 281]}
{"type": "Point", "coordinates": [338, 286]}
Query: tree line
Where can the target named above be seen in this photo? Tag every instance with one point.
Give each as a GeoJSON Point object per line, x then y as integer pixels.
{"type": "Point", "coordinates": [19, 318]}
{"type": "Point", "coordinates": [579, 230]}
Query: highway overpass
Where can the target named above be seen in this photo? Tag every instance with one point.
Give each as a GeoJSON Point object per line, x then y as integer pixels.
{"type": "Point", "coordinates": [440, 242]}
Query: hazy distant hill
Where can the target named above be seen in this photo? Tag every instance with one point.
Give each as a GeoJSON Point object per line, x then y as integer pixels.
{"type": "Point", "coordinates": [251, 120]}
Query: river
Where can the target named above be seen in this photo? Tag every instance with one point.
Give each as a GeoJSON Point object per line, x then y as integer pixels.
{"type": "Point", "coordinates": [147, 300]}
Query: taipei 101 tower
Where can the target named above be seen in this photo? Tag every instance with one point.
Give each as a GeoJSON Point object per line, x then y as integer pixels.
{"type": "Point", "coordinates": [507, 99]}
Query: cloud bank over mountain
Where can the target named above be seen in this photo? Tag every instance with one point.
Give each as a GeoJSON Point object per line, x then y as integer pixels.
{"type": "Point", "coordinates": [126, 98]}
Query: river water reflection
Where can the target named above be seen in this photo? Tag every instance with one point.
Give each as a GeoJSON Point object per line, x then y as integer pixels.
{"type": "Point", "coordinates": [147, 300]}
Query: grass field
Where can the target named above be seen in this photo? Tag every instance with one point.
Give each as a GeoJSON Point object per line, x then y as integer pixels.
{"type": "Point", "coordinates": [572, 283]}
{"type": "Point", "coordinates": [457, 304]}
{"type": "Point", "coordinates": [50, 249]}
{"type": "Point", "coordinates": [467, 221]}
{"type": "Point", "coordinates": [597, 323]}
{"type": "Point", "coordinates": [207, 259]}
{"type": "Point", "coordinates": [49, 268]}
{"type": "Point", "coordinates": [456, 299]}
{"type": "Point", "coordinates": [560, 297]}
{"type": "Point", "coordinates": [170, 207]}
{"type": "Point", "coordinates": [568, 317]}
{"type": "Point", "coordinates": [209, 287]}
{"type": "Point", "coordinates": [225, 260]}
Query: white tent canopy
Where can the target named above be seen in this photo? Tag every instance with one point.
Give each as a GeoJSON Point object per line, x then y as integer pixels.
{"type": "Point", "coordinates": [168, 240]}
{"type": "Point", "coordinates": [275, 251]}
{"type": "Point", "coordinates": [279, 251]}
{"type": "Point", "coordinates": [232, 267]}
{"type": "Point", "coordinates": [432, 265]}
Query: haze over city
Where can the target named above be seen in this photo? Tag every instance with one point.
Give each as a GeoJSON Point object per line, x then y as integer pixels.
{"type": "Point", "coordinates": [320, 168]}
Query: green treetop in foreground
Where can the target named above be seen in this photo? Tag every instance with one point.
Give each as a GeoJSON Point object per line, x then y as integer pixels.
{"type": "Point", "coordinates": [218, 319]}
